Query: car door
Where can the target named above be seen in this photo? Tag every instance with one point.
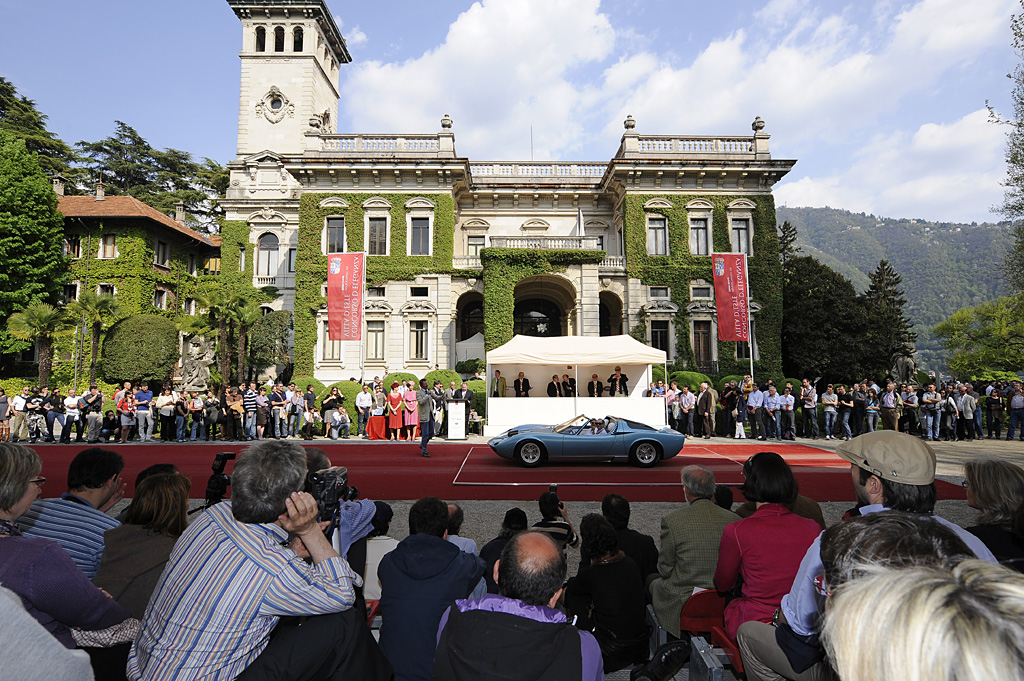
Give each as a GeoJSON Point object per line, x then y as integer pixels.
{"type": "Point", "coordinates": [582, 446]}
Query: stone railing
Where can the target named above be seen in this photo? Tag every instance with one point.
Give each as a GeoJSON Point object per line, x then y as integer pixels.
{"type": "Point", "coordinates": [546, 243]}
{"type": "Point", "coordinates": [384, 146]}
{"type": "Point", "coordinates": [467, 262]}
{"type": "Point", "coordinates": [593, 171]}
{"type": "Point", "coordinates": [683, 146]}
{"type": "Point", "coordinates": [614, 262]}
{"type": "Point", "coordinates": [281, 281]}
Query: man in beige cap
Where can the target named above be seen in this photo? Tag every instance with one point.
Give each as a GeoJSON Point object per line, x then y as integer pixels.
{"type": "Point", "coordinates": [891, 471]}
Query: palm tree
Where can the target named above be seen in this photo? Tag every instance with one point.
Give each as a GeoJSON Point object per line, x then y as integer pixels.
{"type": "Point", "coordinates": [39, 322]}
{"type": "Point", "coordinates": [245, 314]}
{"type": "Point", "coordinates": [219, 303]}
{"type": "Point", "coordinates": [96, 309]}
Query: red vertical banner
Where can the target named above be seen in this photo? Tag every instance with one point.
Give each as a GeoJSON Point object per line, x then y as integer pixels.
{"type": "Point", "coordinates": [346, 277]}
{"type": "Point", "coordinates": [731, 292]}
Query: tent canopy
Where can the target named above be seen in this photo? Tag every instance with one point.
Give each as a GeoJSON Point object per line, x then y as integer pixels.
{"type": "Point", "coordinates": [579, 350]}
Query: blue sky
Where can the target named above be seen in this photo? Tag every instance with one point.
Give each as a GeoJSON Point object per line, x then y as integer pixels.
{"type": "Point", "coordinates": [881, 102]}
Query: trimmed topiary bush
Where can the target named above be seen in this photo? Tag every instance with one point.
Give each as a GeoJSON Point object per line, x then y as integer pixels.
{"type": "Point", "coordinates": [726, 379]}
{"type": "Point", "coordinates": [690, 378]}
{"type": "Point", "coordinates": [446, 376]}
{"type": "Point", "coordinates": [468, 367]}
{"type": "Point", "coordinates": [302, 381]}
{"type": "Point", "coordinates": [140, 348]}
{"type": "Point", "coordinates": [349, 389]}
{"type": "Point", "coordinates": [399, 376]}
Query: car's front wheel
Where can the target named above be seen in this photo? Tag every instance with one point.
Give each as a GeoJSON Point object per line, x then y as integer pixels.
{"type": "Point", "coordinates": [644, 454]}
{"type": "Point", "coordinates": [530, 453]}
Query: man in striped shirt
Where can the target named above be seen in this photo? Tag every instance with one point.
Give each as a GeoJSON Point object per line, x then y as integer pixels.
{"type": "Point", "coordinates": [77, 520]}
{"type": "Point", "coordinates": [217, 610]}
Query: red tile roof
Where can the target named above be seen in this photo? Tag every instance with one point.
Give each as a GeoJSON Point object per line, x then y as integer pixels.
{"type": "Point", "coordinates": [125, 207]}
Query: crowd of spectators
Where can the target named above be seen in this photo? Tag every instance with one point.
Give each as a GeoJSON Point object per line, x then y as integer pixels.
{"type": "Point", "coordinates": [744, 409]}
{"type": "Point", "coordinates": [244, 413]}
{"type": "Point", "coordinates": [261, 587]}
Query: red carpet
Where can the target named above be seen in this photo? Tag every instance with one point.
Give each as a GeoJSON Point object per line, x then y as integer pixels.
{"type": "Point", "coordinates": [465, 472]}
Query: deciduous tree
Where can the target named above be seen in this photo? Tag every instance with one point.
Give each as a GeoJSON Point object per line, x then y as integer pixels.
{"type": "Point", "coordinates": [31, 265]}
{"type": "Point", "coordinates": [989, 336]}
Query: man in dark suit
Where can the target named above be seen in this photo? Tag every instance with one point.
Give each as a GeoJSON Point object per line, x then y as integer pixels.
{"type": "Point", "coordinates": [706, 400]}
{"type": "Point", "coordinates": [595, 388]}
{"type": "Point", "coordinates": [464, 393]}
{"type": "Point", "coordinates": [568, 386]}
{"type": "Point", "coordinates": [521, 385]}
{"type": "Point", "coordinates": [617, 383]}
{"type": "Point", "coordinates": [555, 388]}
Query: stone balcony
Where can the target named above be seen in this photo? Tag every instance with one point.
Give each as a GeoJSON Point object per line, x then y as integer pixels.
{"type": "Point", "coordinates": [441, 145]}
{"type": "Point", "coordinates": [540, 173]}
{"type": "Point", "coordinates": [546, 243]}
{"type": "Point", "coordinates": [279, 281]}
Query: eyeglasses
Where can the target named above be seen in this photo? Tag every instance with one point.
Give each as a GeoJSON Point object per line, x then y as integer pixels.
{"type": "Point", "coordinates": [40, 481]}
{"type": "Point", "coordinates": [821, 587]}
{"type": "Point", "coordinates": [965, 484]}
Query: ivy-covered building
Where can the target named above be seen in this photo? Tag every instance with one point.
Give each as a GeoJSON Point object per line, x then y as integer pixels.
{"type": "Point", "coordinates": [119, 245]}
{"type": "Point", "coordinates": [463, 254]}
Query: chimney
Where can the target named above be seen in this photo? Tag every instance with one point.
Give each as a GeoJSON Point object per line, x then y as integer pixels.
{"type": "Point", "coordinates": [99, 192]}
{"type": "Point", "coordinates": [179, 212]}
{"type": "Point", "coordinates": [58, 185]}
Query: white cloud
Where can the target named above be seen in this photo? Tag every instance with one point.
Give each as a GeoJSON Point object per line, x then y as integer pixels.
{"type": "Point", "coordinates": [942, 171]}
{"type": "Point", "coordinates": [828, 82]}
{"type": "Point", "coordinates": [503, 66]}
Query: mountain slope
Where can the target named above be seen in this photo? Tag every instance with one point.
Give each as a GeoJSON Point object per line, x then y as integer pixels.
{"type": "Point", "coordinates": [945, 266]}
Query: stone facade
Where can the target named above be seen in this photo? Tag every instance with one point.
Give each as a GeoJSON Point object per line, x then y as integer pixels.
{"type": "Point", "coordinates": [624, 229]}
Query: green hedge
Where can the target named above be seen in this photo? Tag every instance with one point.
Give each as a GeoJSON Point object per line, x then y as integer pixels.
{"type": "Point", "coordinates": [468, 367]}
{"type": "Point", "coordinates": [349, 389]}
{"type": "Point", "coordinates": [302, 381]}
{"type": "Point", "coordinates": [726, 379]}
{"type": "Point", "coordinates": [479, 389]}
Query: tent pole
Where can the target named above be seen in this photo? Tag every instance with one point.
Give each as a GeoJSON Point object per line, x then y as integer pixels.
{"type": "Point", "coordinates": [575, 393]}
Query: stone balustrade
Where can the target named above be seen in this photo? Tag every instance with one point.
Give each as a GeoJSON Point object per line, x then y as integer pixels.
{"type": "Point", "coordinates": [546, 243]}
{"type": "Point", "coordinates": [539, 169]}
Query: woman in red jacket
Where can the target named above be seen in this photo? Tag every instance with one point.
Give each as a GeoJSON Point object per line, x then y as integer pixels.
{"type": "Point", "coordinates": [766, 548]}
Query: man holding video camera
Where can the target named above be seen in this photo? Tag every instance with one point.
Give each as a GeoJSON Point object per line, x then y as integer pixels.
{"type": "Point", "coordinates": [217, 610]}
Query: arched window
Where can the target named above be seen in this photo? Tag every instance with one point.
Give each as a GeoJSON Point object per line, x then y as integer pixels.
{"type": "Point", "coordinates": [261, 39]}
{"type": "Point", "coordinates": [471, 320]}
{"type": "Point", "coordinates": [279, 39]}
{"type": "Point", "coordinates": [537, 317]}
{"type": "Point", "coordinates": [297, 39]}
{"type": "Point", "coordinates": [266, 265]}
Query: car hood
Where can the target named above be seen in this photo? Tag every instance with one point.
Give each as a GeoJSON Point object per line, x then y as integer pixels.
{"type": "Point", "coordinates": [529, 428]}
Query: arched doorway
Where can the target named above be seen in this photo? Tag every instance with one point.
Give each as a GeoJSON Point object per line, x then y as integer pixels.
{"type": "Point", "coordinates": [537, 317]}
{"type": "Point", "coordinates": [610, 310]}
{"type": "Point", "coordinates": [545, 306]}
{"type": "Point", "coordinates": [470, 316]}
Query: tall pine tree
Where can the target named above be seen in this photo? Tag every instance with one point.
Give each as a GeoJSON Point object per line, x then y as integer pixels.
{"type": "Point", "coordinates": [888, 327]}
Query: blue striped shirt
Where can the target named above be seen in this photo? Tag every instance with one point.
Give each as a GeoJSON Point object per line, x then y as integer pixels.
{"type": "Point", "coordinates": [76, 525]}
{"type": "Point", "coordinates": [224, 588]}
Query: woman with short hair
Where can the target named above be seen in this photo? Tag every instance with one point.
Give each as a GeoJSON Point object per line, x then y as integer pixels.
{"type": "Point", "coordinates": [53, 589]}
{"type": "Point", "coordinates": [765, 549]}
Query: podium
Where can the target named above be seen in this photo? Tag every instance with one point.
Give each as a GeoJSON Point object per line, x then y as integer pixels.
{"type": "Point", "coordinates": [456, 419]}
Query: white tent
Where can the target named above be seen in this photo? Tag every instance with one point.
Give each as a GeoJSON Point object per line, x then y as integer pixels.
{"type": "Point", "coordinates": [581, 350]}
{"type": "Point", "coordinates": [580, 357]}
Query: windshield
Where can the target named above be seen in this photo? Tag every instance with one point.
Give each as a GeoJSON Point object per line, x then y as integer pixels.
{"type": "Point", "coordinates": [574, 422]}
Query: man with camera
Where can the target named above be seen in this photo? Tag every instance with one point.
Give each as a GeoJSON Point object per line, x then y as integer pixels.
{"type": "Point", "coordinates": [217, 610]}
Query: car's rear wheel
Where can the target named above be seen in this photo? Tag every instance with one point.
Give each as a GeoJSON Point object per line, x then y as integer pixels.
{"type": "Point", "coordinates": [645, 454]}
{"type": "Point", "coordinates": [530, 453]}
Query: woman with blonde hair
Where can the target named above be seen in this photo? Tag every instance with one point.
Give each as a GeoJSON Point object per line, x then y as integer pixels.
{"type": "Point", "coordinates": [928, 624]}
{"type": "Point", "coordinates": [996, 489]}
{"type": "Point", "coordinates": [134, 554]}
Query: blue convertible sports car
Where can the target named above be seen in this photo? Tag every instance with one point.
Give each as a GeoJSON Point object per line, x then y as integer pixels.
{"type": "Point", "coordinates": [587, 439]}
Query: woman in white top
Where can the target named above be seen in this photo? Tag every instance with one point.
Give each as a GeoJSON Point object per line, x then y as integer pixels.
{"type": "Point", "coordinates": [72, 416]}
{"type": "Point", "coordinates": [831, 401]}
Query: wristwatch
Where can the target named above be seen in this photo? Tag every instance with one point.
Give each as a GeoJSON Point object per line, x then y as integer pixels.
{"type": "Point", "coordinates": [776, 617]}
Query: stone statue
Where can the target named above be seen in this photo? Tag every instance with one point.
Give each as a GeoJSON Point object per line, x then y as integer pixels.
{"type": "Point", "coordinates": [904, 368]}
{"type": "Point", "coordinates": [195, 365]}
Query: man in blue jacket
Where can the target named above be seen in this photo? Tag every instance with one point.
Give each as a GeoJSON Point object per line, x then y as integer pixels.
{"type": "Point", "coordinates": [419, 580]}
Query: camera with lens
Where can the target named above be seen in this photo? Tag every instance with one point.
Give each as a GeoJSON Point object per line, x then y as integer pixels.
{"type": "Point", "coordinates": [330, 488]}
{"type": "Point", "coordinates": [217, 485]}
